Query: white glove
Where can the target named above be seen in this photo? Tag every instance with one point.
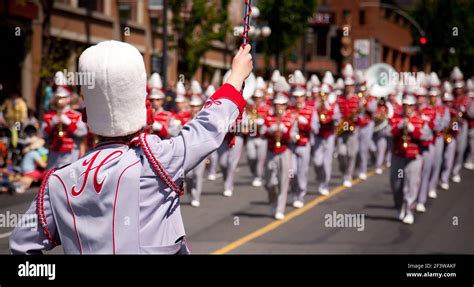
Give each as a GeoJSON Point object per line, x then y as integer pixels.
{"type": "Point", "coordinates": [283, 128]}
{"type": "Point", "coordinates": [65, 120]}
{"type": "Point", "coordinates": [157, 126]}
{"type": "Point", "coordinates": [410, 127]}
{"type": "Point", "coordinates": [55, 120]}
{"type": "Point", "coordinates": [260, 121]}
{"type": "Point", "coordinates": [302, 120]}
{"type": "Point", "coordinates": [273, 128]}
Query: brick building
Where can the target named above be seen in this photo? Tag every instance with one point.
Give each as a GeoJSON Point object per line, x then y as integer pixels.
{"type": "Point", "coordinates": [77, 24]}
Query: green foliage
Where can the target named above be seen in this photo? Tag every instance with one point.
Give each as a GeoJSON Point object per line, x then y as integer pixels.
{"type": "Point", "coordinates": [207, 21]}
{"type": "Point", "coordinates": [288, 21]}
{"type": "Point", "coordinates": [439, 19]}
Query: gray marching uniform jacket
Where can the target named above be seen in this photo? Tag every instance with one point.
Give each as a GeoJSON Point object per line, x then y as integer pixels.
{"type": "Point", "coordinates": [112, 201]}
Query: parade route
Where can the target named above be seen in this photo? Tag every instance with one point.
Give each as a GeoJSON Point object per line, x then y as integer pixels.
{"type": "Point", "coordinates": [243, 224]}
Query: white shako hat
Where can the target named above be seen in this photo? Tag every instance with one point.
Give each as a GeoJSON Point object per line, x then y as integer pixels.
{"type": "Point", "coordinates": [180, 92]}
{"type": "Point", "coordinates": [328, 78]}
{"type": "Point", "coordinates": [62, 91]}
{"type": "Point", "coordinates": [260, 84]}
{"type": "Point", "coordinates": [196, 88]}
{"type": "Point", "coordinates": [447, 92]}
{"type": "Point", "coordinates": [275, 76]}
{"type": "Point", "coordinates": [458, 78]}
{"type": "Point", "coordinates": [155, 87]}
{"type": "Point", "coordinates": [282, 89]}
{"type": "Point", "coordinates": [409, 100]}
{"type": "Point", "coordinates": [196, 100]}
{"type": "Point", "coordinates": [116, 105]}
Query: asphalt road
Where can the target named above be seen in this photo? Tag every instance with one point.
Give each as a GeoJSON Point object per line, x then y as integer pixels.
{"type": "Point", "coordinates": [244, 222]}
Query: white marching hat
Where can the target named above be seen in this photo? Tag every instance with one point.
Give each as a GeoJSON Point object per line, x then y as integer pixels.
{"type": "Point", "coordinates": [62, 92]}
{"type": "Point", "coordinates": [116, 104]}
{"type": "Point", "coordinates": [458, 78]}
{"type": "Point", "coordinates": [156, 94]}
{"type": "Point", "coordinates": [196, 101]}
{"type": "Point", "coordinates": [275, 76]}
{"type": "Point", "coordinates": [180, 89]}
{"type": "Point", "coordinates": [155, 81]}
{"type": "Point", "coordinates": [409, 100]}
{"type": "Point", "coordinates": [196, 88]}
{"type": "Point", "coordinates": [328, 78]}
{"type": "Point", "coordinates": [448, 92]}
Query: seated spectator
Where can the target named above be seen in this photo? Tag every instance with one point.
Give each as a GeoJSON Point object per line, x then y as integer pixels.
{"type": "Point", "coordinates": [33, 162]}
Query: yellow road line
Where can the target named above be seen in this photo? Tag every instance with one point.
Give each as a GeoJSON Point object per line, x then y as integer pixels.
{"type": "Point", "coordinates": [275, 224]}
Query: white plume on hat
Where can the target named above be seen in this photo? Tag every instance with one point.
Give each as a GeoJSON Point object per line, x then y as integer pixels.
{"type": "Point", "coordinates": [339, 84]}
{"type": "Point", "coordinates": [328, 78]}
{"type": "Point", "coordinates": [456, 74]}
{"type": "Point", "coordinates": [434, 80]}
{"type": "Point", "coordinates": [60, 79]}
{"type": "Point", "coordinates": [196, 88]}
{"type": "Point", "coordinates": [275, 76]}
{"type": "Point", "coordinates": [180, 89]}
{"type": "Point", "coordinates": [155, 81]}
{"type": "Point", "coordinates": [281, 86]}
{"type": "Point", "coordinates": [260, 83]}
{"type": "Point", "coordinates": [315, 80]}
{"type": "Point", "coordinates": [299, 78]}
{"type": "Point", "coordinates": [116, 103]}
{"type": "Point", "coordinates": [210, 91]}
{"type": "Point", "coordinates": [447, 91]}
{"type": "Point", "coordinates": [360, 77]}
{"type": "Point", "coordinates": [348, 71]}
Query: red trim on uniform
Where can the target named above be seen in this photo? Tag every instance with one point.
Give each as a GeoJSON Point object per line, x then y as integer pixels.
{"type": "Point", "coordinates": [72, 212]}
{"type": "Point", "coordinates": [115, 203]}
{"type": "Point", "coordinates": [158, 168]}
{"type": "Point", "coordinates": [228, 92]}
{"type": "Point", "coordinates": [40, 208]}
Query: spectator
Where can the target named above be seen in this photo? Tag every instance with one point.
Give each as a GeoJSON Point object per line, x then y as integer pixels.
{"type": "Point", "coordinates": [33, 162]}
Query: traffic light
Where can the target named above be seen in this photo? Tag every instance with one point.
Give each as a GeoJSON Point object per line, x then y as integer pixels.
{"type": "Point", "coordinates": [423, 40]}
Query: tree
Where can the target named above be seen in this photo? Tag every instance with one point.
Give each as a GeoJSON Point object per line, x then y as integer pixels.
{"type": "Point", "coordinates": [196, 24]}
{"type": "Point", "coordinates": [449, 28]}
{"type": "Point", "coordinates": [288, 21]}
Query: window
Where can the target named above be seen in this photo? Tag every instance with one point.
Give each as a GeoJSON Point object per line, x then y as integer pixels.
{"type": "Point", "coordinates": [127, 10]}
{"type": "Point", "coordinates": [362, 17]}
{"type": "Point", "coordinates": [92, 5]}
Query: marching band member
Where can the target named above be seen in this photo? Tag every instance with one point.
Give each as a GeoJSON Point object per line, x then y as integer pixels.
{"type": "Point", "coordinates": [381, 137]}
{"type": "Point", "coordinates": [407, 129]}
{"type": "Point", "coordinates": [132, 203]}
{"type": "Point", "coordinates": [460, 104]}
{"type": "Point", "coordinates": [301, 148]}
{"type": "Point", "coordinates": [428, 114]}
{"type": "Point", "coordinates": [470, 113]}
{"type": "Point", "coordinates": [348, 132]}
{"type": "Point", "coordinates": [368, 104]}
{"type": "Point", "coordinates": [450, 136]}
{"type": "Point", "coordinates": [161, 118]}
{"type": "Point", "coordinates": [442, 122]}
{"type": "Point", "coordinates": [256, 146]}
{"type": "Point", "coordinates": [278, 124]}
{"type": "Point", "coordinates": [229, 156]}
{"type": "Point", "coordinates": [323, 126]}
{"type": "Point", "coordinates": [195, 177]}
{"type": "Point", "coordinates": [64, 129]}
